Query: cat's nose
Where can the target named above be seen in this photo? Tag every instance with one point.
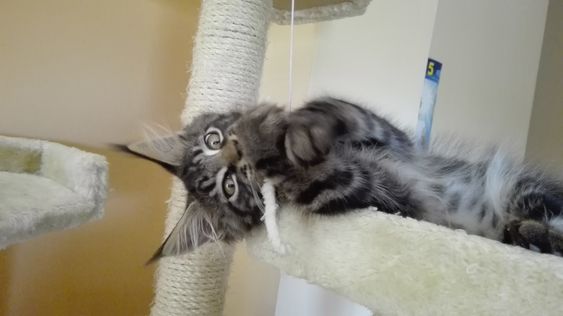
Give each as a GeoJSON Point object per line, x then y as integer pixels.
{"type": "Point", "coordinates": [230, 152]}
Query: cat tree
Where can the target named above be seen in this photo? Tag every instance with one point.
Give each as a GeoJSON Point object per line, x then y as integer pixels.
{"type": "Point", "coordinates": [392, 265]}
{"type": "Point", "coordinates": [46, 186]}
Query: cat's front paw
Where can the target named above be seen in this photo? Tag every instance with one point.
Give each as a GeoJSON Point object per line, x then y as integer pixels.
{"type": "Point", "coordinates": [308, 138]}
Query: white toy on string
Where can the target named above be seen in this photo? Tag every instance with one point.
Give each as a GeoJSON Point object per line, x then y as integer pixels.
{"type": "Point", "coordinates": [270, 216]}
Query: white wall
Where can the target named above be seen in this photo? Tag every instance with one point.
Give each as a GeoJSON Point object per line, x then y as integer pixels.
{"type": "Point", "coordinates": [490, 50]}
{"type": "Point", "coordinates": [545, 140]}
{"type": "Point", "coordinates": [378, 59]}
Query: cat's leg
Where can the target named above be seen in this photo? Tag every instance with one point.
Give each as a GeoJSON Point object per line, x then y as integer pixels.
{"type": "Point", "coordinates": [556, 234]}
{"type": "Point", "coordinates": [536, 198]}
{"type": "Point", "coordinates": [315, 128]}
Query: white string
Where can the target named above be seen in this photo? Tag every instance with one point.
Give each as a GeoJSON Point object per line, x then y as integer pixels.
{"type": "Point", "coordinates": [290, 83]}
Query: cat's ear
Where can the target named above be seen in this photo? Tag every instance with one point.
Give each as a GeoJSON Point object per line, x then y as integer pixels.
{"type": "Point", "coordinates": [192, 230]}
{"type": "Point", "coordinates": [166, 151]}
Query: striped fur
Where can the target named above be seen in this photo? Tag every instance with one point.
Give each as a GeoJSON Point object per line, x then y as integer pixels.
{"type": "Point", "coordinates": [331, 157]}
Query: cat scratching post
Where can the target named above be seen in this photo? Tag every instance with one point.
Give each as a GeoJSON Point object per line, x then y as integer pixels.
{"type": "Point", "coordinates": [227, 66]}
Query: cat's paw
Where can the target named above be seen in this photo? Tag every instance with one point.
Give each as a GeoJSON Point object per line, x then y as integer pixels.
{"type": "Point", "coordinates": [309, 138]}
{"type": "Point", "coordinates": [556, 241]}
{"type": "Point", "coordinates": [536, 236]}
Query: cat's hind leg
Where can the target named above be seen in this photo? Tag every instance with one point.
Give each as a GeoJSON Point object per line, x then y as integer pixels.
{"type": "Point", "coordinates": [536, 206]}
{"type": "Point", "coordinates": [534, 235]}
{"type": "Point", "coordinates": [534, 197]}
{"type": "Point", "coordinates": [556, 235]}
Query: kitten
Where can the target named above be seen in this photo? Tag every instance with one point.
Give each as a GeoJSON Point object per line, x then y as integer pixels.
{"type": "Point", "coordinates": [331, 157]}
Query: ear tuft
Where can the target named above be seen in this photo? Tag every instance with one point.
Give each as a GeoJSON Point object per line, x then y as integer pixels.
{"type": "Point", "coordinates": [192, 230]}
{"type": "Point", "coordinates": [166, 151]}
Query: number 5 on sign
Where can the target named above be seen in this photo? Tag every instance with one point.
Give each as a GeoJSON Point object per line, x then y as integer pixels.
{"type": "Point", "coordinates": [430, 69]}
{"type": "Point", "coordinates": [433, 70]}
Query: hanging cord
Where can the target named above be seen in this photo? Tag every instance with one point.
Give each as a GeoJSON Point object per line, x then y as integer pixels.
{"type": "Point", "coordinates": [290, 81]}
{"type": "Point", "coordinates": [268, 189]}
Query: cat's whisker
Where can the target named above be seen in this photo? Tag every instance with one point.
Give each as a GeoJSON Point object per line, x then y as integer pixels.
{"type": "Point", "coordinates": [213, 233]}
{"type": "Point", "coordinates": [257, 199]}
{"type": "Point", "coordinates": [252, 182]}
{"type": "Point", "coordinates": [153, 132]}
{"type": "Point", "coordinates": [164, 129]}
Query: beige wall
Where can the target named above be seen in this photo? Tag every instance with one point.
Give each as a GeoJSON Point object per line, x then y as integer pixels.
{"type": "Point", "coordinates": [545, 140]}
{"type": "Point", "coordinates": [490, 50]}
{"type": "Point", "coordinates": [92, 73]}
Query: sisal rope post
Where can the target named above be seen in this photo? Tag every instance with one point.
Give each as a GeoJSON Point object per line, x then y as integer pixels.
{"type": "Point", "coordinates": [227, 64]}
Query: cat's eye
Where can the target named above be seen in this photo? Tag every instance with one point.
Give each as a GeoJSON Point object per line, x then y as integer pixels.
{"type": "Point", "coordinates": [229, 185]}
{"type": "Point", "coordinates": [213, 139]}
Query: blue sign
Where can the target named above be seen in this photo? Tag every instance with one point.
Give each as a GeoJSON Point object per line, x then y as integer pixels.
{"type": "Point", "coordinates": [427, 103]}
{"type": "Point", "coordinates": [433, 70]}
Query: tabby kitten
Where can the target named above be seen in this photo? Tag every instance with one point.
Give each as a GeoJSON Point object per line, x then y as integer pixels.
{"type": "Point", "coordinates": [331, 157]}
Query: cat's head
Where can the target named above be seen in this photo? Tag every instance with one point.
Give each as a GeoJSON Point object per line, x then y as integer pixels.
{"type": "Point", "coordinates": [224, 199]}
